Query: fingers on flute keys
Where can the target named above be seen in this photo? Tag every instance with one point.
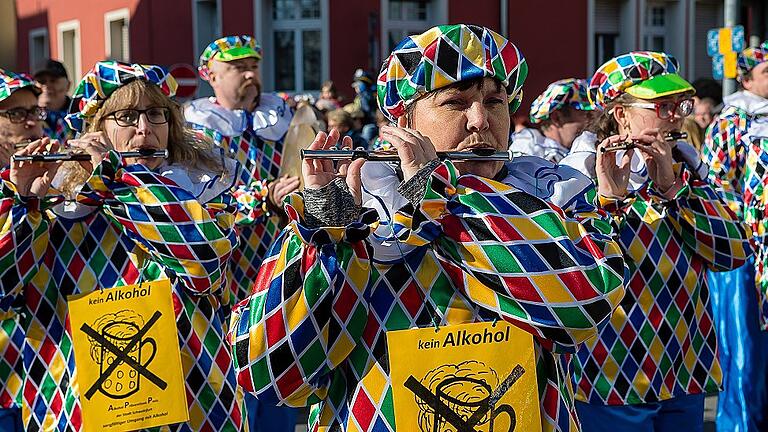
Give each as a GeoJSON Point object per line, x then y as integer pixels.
{"type": "Point", "coordinates": [612, 143]}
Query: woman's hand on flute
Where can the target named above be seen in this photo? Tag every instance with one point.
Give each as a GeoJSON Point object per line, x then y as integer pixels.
{"type": "Point", "coordinates": [657, 153]}
{"type": "Point", "coordinates": [414, 149]}
{"type": "Point", "coordinates": [95, 144]}
{"type": "Point", "coordinates": [34, 178]}
{"type": "Point", "coordinates": [613, 178]}
{"type": "Point", "coordinates": [319, 172]}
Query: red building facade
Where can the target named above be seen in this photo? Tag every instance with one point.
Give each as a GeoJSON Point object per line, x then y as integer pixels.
{"type": "Point", "coordinates": [305, 41]}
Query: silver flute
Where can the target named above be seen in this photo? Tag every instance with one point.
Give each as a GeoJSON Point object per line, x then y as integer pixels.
{"type": "Point", "coordinates": [386, 156]}
{"type": "Point", "coordinates": [63, 157]}
{"type": "Point", "coordinates": [630, 143]}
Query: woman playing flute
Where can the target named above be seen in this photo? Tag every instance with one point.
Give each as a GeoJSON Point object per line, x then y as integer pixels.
{"type": "Point", "coordinates": [133, 220]}
{"type": "Point", "coordinates": [473, 241]}
{"type": "Point", "coordinates": [651, 366]}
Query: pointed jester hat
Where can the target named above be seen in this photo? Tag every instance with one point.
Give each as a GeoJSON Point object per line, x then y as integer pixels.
{"type": "Point", "coordinates": [445, 55]}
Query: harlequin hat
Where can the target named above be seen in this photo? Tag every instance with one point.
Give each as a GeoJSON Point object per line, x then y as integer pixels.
{"type": "Point", "coordinates": [751, 57]}
{"type": "Point", "coordinates": [11, 81]}
{"type": "Point", "coordinates": [227, 49]}
{"type": "Point", "coordinates": [643, 74]}
{"type": "Point", "coordinates": [445, 55]}
{"type": "Point", "coordinates": [104, 78]}
{"type": "Point", "coordinates": [568, 92]}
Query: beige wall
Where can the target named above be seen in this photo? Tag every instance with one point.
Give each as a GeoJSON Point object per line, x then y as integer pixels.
{"type": "Point", "coordinates": [8, 34]}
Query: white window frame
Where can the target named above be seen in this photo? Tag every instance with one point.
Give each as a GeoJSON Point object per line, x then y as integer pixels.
{"type": "Point", "coordinates": [437, 13]}
{"type": "Point", "coordinates": [264, 31]}
{"type": "Point", "coordinates": [109, 17]}
{"type": "Point", "coordinates": [650, 31]}
{"type": "Point", "coordinates": [60, 29]}
{"type": "Point", "coordinates": [33, 34]}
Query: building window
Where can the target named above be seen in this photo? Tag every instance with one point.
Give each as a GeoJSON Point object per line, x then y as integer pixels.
{"type": "Point", "coordinates": [297, 37]}
{"type": "Point", "coordinates": [285, 63]}
{"type": "Point", "coordinates": [655, 27]}
{"type": "Point", "coordinates": [206, 15]}
{"type": "Point", "coordinates": [207, 23]}
{"type": "Point", "coordinates": [69, 48]}
{"type": "Point", "coordinates": [656, 16]}
{"type": "Point", "coordinates": [607, 26]}
{"type": "Point", "coordinates": [605, 47]}
{"type": "Point", "coordinates": [117, 38]}
{"type": "Point", "coordinates": [708, 16]}
{"type": "Point", "coordinates": [39, 49]}
{"type": "Point", "coordinates": [406, 17]}
{"type": "Point", "coordinates": [295, 9]}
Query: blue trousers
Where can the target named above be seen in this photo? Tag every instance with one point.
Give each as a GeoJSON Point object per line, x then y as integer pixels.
{"type": "Point", "coordinates": [268, 418]}
{"type": "Point", "coordinates": [743, 404]}
{"type": "Point", "coordinates": [10, 420]}
{"type": "Point", "coordinates": [683, 413]}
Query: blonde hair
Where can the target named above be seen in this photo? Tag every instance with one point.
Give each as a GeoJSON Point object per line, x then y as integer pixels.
{"type": "Point", "coordinates": [604, 124]}
{"type": "Point", "coordinates": [185, 146]}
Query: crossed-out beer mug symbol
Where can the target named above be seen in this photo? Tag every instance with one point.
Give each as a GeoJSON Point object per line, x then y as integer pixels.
{"type": "Point", "coordinates": [121, 348]}
{"type": "Point", "coordinates": [451, 402]}
{"type": "Point", "coordinates": [477, 404]}
{"type": "Point", "coordinates": [124, 380]}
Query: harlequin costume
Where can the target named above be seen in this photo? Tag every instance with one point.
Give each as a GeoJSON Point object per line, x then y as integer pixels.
{"type": "Point", "coordinates": [738, 165]}
{"type": "Point", "coordinates": [255, 140]}
{"type": "Point", "coordinates": [56, 126]}
{"type": "Point", "coordinates": [11, 332]}
{"type": "Point", "coordinates": [567, 92]}
{"type": "Point", "coordinates": [314, 330]}
{"type": "Point", "coordinates": [129, 224]}
{"type": "Point", "coordinates": [660, 344]}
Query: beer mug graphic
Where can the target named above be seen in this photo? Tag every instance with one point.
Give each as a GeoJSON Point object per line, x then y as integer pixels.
{"type": "Point", "coordinates": [466, 395]}
{"type": "Point", "coordinates": [124, 380]}
{"type": "Point", "coordinates": [463, 399]}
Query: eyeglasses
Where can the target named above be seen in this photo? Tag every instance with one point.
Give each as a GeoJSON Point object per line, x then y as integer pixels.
{"type": "Point", "coordinates": [666, 110]}
{"type": "Point", "coordinates": [20, 115]}
{"type": "Point", "coordinates": [130, 117]}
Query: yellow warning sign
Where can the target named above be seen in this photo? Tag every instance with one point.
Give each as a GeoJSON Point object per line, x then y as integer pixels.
{"type": "Point", "coordinates": [478, 377]}
{"type": "Point", "coordinates": [129, 373]}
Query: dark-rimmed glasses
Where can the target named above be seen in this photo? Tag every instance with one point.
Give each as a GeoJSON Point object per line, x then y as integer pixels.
{"type": "Point", "coordinates": [130, 117]}
{"type": "Point", "coordinates": [20, 115]}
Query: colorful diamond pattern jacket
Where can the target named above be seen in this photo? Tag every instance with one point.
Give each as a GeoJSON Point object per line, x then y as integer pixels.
{"type": "Point", "coordinates": [314, 329]}
{"type": "Point", "coordinates": [130, 224]}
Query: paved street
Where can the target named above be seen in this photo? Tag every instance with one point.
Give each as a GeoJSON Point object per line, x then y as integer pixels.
{"type": "Point", "coordinates": [710, 408]}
